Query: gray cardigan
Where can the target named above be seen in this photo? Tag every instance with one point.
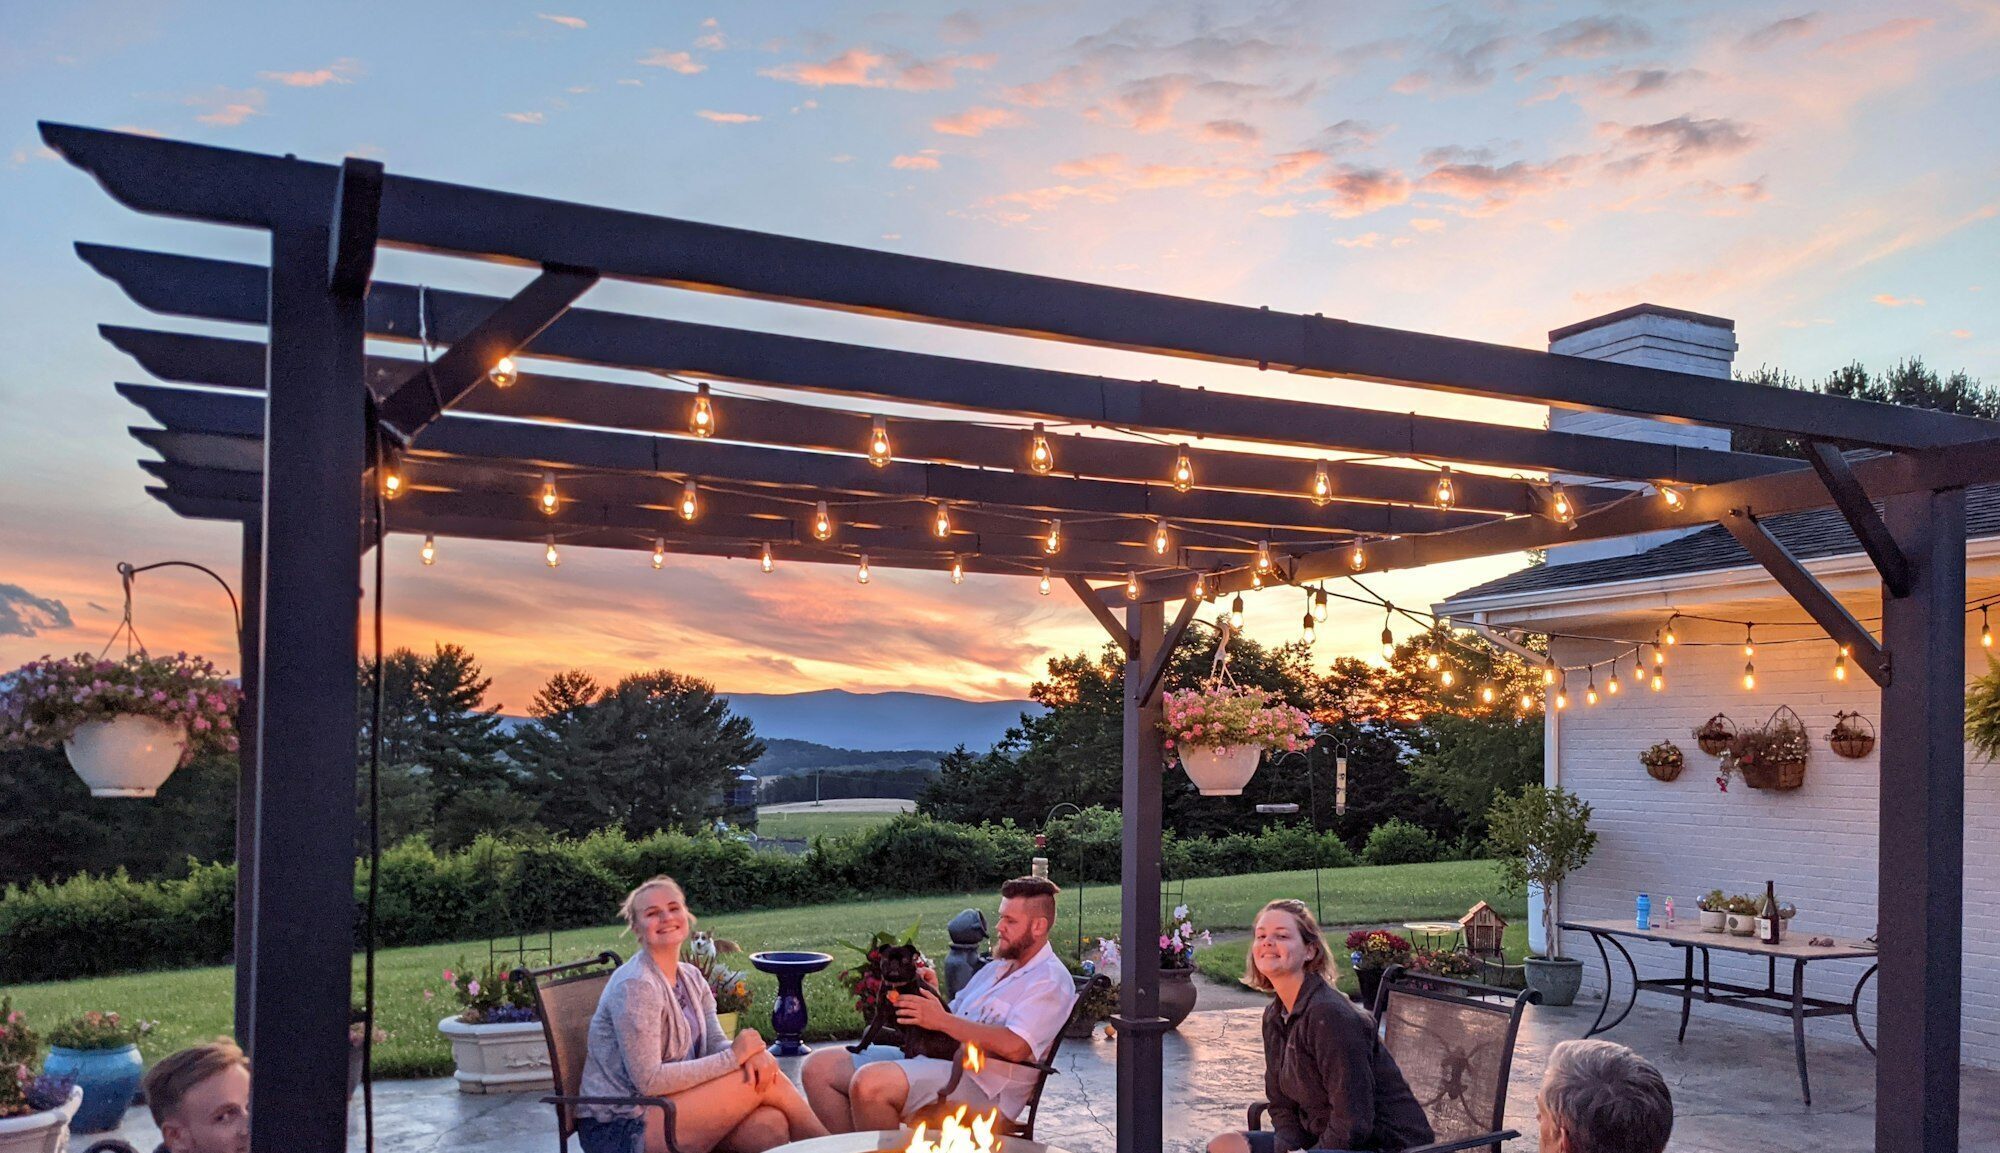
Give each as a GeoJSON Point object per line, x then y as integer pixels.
{"type": "Point", "coordinates": [627, 1041]}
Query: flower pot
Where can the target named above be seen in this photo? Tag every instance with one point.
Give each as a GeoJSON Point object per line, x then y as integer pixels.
{"type": "Point", "coordinates": [1742, 924]}
{"type": "Point", "coordinates": [1714, 920]}
{"type": "Point", "coordinates": [125, 756]}
{"type": "Point", "coordinates": [1667, 772]}
{"type": "Point", "coordinates": [1079, 1029]}
{"type": "Point", "coordinates": [1221, 772]}
{"type": "Point", "coordinates": [728, 1023]}
{"type": "Point", "coordinates": [1177, 994]}
{"type": "Point", "coordinates": [1557, 979]}
{"type": "Point", "coordinates": [1370, 980]}
{"type": "Point", "coordinates": [509, 1058]}
{"type": "Point", "coordinates": [108, 1078]}
{"type": "Point", "coordinates": [43, 1132]}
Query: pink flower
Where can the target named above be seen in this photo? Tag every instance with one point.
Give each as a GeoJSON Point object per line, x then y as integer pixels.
{"type": "Point", "coordinates": [450, 978]}
{"type": "Point", "coordinates": [428, 994]}
{"type": "Point", "coordinates": [472, 989]}
{"type": "Point", "coordinates": [1168, 743]}
{"type": "Point", "coordinates": [1166, 942]}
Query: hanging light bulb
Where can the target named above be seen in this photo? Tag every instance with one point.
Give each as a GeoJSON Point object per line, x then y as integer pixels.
{"type": "Point", "coordinates": [1749, 675]}
{"type": "Point", "coordinates": [1131, 586]}
{"type": "Point", "coordinates": [1560, 508]}
{"type": "Point", "coordinates": [1358, 558]}
{"type": "Point", "coordinates": [430, 551]}
{"type": "Point", "coordinates": [1840, 664]}
{"type": "Point", "coordinates": [550, 501]}
{"type": "Point", "coordinates": [1312, 633]}
{"type": "Point", "coordinates": [1749, 645]}
{"type": "Point", "coordinates": [1041, 459]}
{"type": "Point", "coordinates": [1236, 612]}
{"type": "Point", "coordinates": [822, 522]}
{"type": "Point", "coordinates": [1527, 701]}
{"type": "Point", "coordinates": [1319, 605]}
{"type": "Point", "coordinates": [1670, 637]}
{"type": "Point", "coordinates": [861, 574]}
{"type": "Point", "coordinates": [1659, 656]}
{"type": "Point", "coordinates": [659, 552]}
{"type": "Point", "coordinates": [690, 500]}
{"type": "Point", "coordinates": [1256, 579]}
{"type": "Point", "coordinates": [1447, 679]}
{"type": "Point", "coordinates": [1388, 638]}
{"type": "Point", "coordinates": [1549, 673]}
{"type": "Point", "coordinates": [1045, 580]}
{"type": "Point", "coordinates": [1675, 499]}
{"type": "Point", "coordinates": [1431, 661]}
{"type": "Point", "coordinates": [957, 571]}
{"type": "Point", "coordinates": [942, 525]}
{"type": "Point", "coordinates": [1485, 694]}
{"type": "Point", "coordinates": [1263, 556]}
{"type": "Point", "coordinates": [878, 443]}
{"type": "Point", "coordinates": [1200, 587]}
{"type": "Point", "coordinates": [1659, 681]}
{"type": "Point", "coordinates": [1590, 690]}
{"type": "Point", "coordinates": [701, 421]}
{"type": "Point", "coordinates": [1322, 486]}
{"type": "Point", "coordinates": [764, 560]}
{"type": "Point", "coordinates": [549, 554]}
{"type": "Point", "coordinates": [1052, 541]}
{"type": "Point", "coordinates": [1985, 630]}
{"type": "Point", "coordinates": [502, 373]}
{"type": "Point", "coordinates": [1183, 471]}
{"type": "Point", "coordinates": [1160, 541]}
{"type": "Point", "coordinates": [1447, 493]}
{"type": "Point", "coordinates": [392, 476]}
{"type": "Point", "coordinates": [1562, 693]}
{"type": "Point", "coordinates": [1612, 686]}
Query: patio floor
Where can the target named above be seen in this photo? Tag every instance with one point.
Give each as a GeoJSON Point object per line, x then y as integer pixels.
{"type": "Point", "coordinates": [1734, 1089]}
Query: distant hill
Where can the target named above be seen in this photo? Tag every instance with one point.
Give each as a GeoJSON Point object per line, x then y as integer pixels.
{"type": "Point", "coordinates": [784, 758]}
{"type": "Point", "coordinates": [879, 722]}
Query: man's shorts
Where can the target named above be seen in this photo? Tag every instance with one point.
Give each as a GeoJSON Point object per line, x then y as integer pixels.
{"type": "Point", "coordinates": [927, 1077]}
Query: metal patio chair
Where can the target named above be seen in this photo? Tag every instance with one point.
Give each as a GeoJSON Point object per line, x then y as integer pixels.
{"type": "Point", "coordinates": [1025, 1127]}
{"type": "Point", "coordinates": [1454, 1042]}
{"type": "Point", "coordinates": [566, 998]}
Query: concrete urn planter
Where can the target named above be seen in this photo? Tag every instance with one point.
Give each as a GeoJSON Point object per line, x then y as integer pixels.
{"type": "Point", "coordinates": [43, 1132]}
{"type": "Point", "coordinates": [1221, 772]}
{"type": "Point", "coordinates": [1557, 979]}
{"type": "Point", "coordinates": [509, 1058]}
{"type": "Point", "coordinates": [126, 756]}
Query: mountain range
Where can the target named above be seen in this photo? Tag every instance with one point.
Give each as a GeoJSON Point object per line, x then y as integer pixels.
{"type": "Point", "coordinates": [879, 721]}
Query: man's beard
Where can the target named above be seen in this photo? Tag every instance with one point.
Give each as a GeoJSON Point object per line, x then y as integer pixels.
{"type": "Point", "coordinates": [1013, 950]}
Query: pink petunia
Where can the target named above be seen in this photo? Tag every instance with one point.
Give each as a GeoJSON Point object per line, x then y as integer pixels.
{"type": "Point", "coordinates": [450, 978]}
{"type": "Point", "coordinates": [472, 989]}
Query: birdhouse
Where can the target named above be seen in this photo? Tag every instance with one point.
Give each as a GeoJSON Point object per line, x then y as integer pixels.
{"type": "Point", "coordinates": [1483, 929]}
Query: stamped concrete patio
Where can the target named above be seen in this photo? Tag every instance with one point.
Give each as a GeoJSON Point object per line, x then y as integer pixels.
{"type": "Point", "coordinates": [1735, 1089]}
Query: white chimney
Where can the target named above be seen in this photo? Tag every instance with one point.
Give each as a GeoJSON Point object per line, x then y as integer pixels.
{"type": "Point", "coordinates": [1656, 337]}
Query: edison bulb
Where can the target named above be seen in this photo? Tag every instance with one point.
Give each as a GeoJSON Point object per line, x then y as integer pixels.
{"type": "Point", "coordinates": [1183, 471]}
{"type": "Point", "coordinates": [1559, 504]}
{"type": "Point", "coordinates": [1131, 586]}
{"type": "Point", "coordinates": [690, 501]}
{"type": "Point", "coordinates": [1749, 675]}
{"type": "Point", "coordinates": [957, 571]}
{"type": "Point", "coordinates": [1045, 582]}
{"type": "Point", "coordinates": [549, 554]}
{"type": "Point", "coordinates": [1041, 458]}
{"type": "Point", "coordinates": [878, 443]}
{"type": "Point", "coordinates": [502, 373]}
{"type": "Point", "coordinates": [1236, 612]}
{"type": "Point", "coordinates": [430, 552]}
{"type": "Point", "coordinates": [1447, 493]}
{"type": "Point", "coordinates": [1263, 556]}
{"type": "Point", "coordinates": [822, 522]}
{"type": "Point", "coordinates": [1322, 486]}
{"type": "Point", "coordinates": [1307, 625]}
{"type": "Point", "coordinates": [1319, 605]}
{"type": "Point", "coordinates": [1446, 678]}
{"type": "Point", "coordinates": [550, 501]}
{"type": "Point", "coordinates": [1358, 558]}
{"type": "Point", "coordinates": [1659, 682]}
{"type": "Point", "coordinates": [764, 560]}
{"type": "Point", "coordinates": [942, 524]}
{"type": "Point", "coordinates": [1486, 694]}
{"type": "Point", "coordinates": [861, 574]}
{"type": "Point", "coordinates": [1431, 661]}
{"type": "Point", "coordinates": [392, 482]}
{"type": "Point", "coordinates": [701, 421]}
{"type": "Point", "coordinates": [1052, 543]}
{"type": "Point", "coordinates": [1160, 538]}
{"type": "Point", "coordinates": [1674, 498]}
{"type": "Point", "coordinates": [659, 552]}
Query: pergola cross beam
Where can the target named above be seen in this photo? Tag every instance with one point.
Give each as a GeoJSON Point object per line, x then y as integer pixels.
{"type": "Point", "coordinates": [1859, 512]}
{"type": "Point", "coordinates": [1804, 588]}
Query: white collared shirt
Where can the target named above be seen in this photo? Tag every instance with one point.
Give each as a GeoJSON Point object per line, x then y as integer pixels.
{"type": "Point", "coordinates": [1032, 998]}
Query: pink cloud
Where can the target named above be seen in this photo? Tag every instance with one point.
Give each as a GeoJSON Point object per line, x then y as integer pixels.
{"type": "Point", "coordinates": [1961, 334]}
{"type": "Point", "coordinates": [1359, 191]}
{"type": "Point", "coordinates": [1887, 300]}
{"type": "Point", "coordinates": [712, 42]}
{"type": "Point", "coordinates": [1589, 36]}
{"type": "Point", "coordinates": [1145, 105]}
{"type": "Point", "coordinates": [341, 71]}
{"type": "Point", "coordinates": [861, 68]}
{"type": "Point", "coordinates": [975, 121]}
{"type": "Point", "coordinates": [1411, 82]}
{"type": "Point", "coordinates": [526, 117]}
{"type": "Point", "coordinates": [728, 117]}
{"type": "Point", "coordinates": [227, 107]}
{"type": "Point", "coordinates": [1880, 36]}
{"type": "Point", "coordinates": [1780, 31]}
{"type": "Point", "coordinates": [1060, 85]}
{"type": "Point", "coordinates": [576, 22]}
{"type": "Point", "coordinates": [1365, 240]}
{"type": "Point", "coordinates": [680, 62]}
{"type": "Point", "coordinates": [1491, 187]}
{"type": "Point", "coordinates": [1427, 224]}
{"type": "Point", "coordinates": [1227, 132]}
{"type": "Point", "coordinates": [918, 162]}
{"type": "Point", "coordinates": [1102, 164]}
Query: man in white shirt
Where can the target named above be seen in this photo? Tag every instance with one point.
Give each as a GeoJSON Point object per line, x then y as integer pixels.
{"type": "Point", "coordinates": [1012, 1009]}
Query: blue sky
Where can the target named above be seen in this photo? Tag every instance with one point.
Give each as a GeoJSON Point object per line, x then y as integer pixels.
{"type": "Point", "coordinates": [1818, 173]}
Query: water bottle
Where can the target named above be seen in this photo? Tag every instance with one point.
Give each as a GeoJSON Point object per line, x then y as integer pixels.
{"type": "Point", "coordinates": [1645, 919]}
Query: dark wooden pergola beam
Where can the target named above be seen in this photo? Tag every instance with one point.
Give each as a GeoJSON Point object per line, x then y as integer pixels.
{"type": "Point", "coordinates": [226, 186]}
{"type": "Point", "coordinates": [1112, 625]}
{"type": "Point", "coordinates": [1819, 604]}
{"type": "Point", "coordinates": [1154, 673]}
{"type": "Point", "coordinates": [204, 289]}
{"type": "Point", "coordinates": [194, 359]}
{"type": "Point", "coordinates": [1852, 501]}
{"type": "Point", "coordinates": [357, 211]}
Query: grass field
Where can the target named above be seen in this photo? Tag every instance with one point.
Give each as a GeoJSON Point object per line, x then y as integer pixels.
{"type": "Point", "coordinates": [194, 1004]}
{"type": "Point", "coordinates": [833, 824]}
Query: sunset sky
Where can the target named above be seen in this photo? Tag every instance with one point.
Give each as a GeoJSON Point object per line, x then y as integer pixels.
{"type": "Point", "coordinates": [1820, 173]}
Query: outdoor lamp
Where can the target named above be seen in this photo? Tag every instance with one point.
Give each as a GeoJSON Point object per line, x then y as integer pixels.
{"type": "Point", "coordinates": [659, 551]}
{"type": "Point", "coordinates": [430, 552]}
{"type": "Point", "coordinates": [1322, 486]}
{"type": "Point", "coordinates": [702, 421]}
{"type": "Point", "coordinates": [878, 443]}
{"type": "Point", "coordinates": [690, 500]}
{"type": "Point", "coordinates": [1183, 471]}
{"type": "Point", "coordinates": [550, 501]}
{"type": "Point", "coordinates": [942, 524]}
{"type": "Point", "coordinates": [822, 522]}
{"type": "Point", "coordinates": [957, 571]}
{"type": "Point", "coordinates": [502, 373]}
{"type": "Point", "coordinates": [764, 559]}
{"type": "Point", "coordinates": [1041, 459]}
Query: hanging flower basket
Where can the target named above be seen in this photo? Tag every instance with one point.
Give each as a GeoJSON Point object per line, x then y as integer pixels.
{"type": "Point", "coordinates": [1852, 735]}
{"type": "Point", "coordinates": [1715, 734]}
{"type": "Point", "coordinates": [1774, 756]}
{"type": "Point", "coordinates": [1664, 761]}
{"type": "Point", "coordinates": [1221, 772]}
{"type": "Point", "coordinates": [126, 725]}
{"type": "Point", "coordinates": [1220, 731]}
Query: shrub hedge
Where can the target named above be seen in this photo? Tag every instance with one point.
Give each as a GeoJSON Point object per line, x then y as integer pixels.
{"type": "Point", "coordinates": [1398, 842]}
{"type": "Point", "coordinates": [89, 925]}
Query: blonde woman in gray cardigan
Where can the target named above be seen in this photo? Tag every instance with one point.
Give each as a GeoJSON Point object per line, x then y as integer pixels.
{"type": "Point", "coordinates": [655, 1034]}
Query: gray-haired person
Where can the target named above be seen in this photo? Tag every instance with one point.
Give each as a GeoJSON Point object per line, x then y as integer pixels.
{"type": "Point", "coordinates": [1600, 1097]}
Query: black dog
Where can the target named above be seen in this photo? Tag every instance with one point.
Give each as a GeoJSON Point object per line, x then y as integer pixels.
{"type": "Point", "coordinates": [898, 969]}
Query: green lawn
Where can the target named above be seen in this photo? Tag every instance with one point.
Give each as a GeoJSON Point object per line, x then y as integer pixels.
{"type": "Point", "coordinates": [194, 1004]}
{"type": "Point", "coordinates": [833, 825]}
{"type": "Point", "coordinates": [1224, 961]}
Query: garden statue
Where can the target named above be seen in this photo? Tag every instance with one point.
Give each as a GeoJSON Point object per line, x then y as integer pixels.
{"type": "Point", "coordinates": [968, 932]}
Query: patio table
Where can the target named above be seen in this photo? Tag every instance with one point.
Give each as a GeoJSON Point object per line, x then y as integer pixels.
{"type": "Point", "coordinates": [1770, 999]}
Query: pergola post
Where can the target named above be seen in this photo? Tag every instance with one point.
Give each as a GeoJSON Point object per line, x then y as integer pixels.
{"type": "Point", "coordinates": [302, 940]}
{"type": "Point", "coordinates": [1141, 1075]}
{"type": "Point", "coordinates": [1920, 894]}
{"type": "Point", "coordinates": [249, 649]}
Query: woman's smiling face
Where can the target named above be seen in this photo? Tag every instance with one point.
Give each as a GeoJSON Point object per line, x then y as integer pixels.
{"type": "Point", "coordinates": [1278, 949]}
{"type": "Point", "coordinates": [663, 918]}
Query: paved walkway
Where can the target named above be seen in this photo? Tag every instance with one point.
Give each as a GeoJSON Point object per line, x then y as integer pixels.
{"type": "Point", "coordinates": [1735, 1089]}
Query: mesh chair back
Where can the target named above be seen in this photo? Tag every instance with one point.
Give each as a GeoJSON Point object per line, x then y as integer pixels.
{"type": "Point", "coordinates": [1454, 1050]}
{"type": "Point", "coordinates": [566, 998]}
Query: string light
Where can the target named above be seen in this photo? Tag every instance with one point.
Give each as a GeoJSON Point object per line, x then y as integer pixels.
{"type": "Point", "coordinates": [1447, 493]}
{"type": "Point", "coordinates": [1236, 612]}
{"type": "Point", "coordinates": [1659, 682]}
{"type": "Point", "coordinates": [1485, 694]}
{"type": "Point", "coordinates": [1388, 638]}
{"type": "Point", "coordinates": [1446, 678]}
{"type": "Point", "coordinates": [1675, 499]}
{"type": "Point", "coordinates": [549, 554]}
{"type": "Point", "coordinates": [1131, 586]}
{"type": "Point", "coordinates": [1045, 581]}
{"type": "Point", "coordinates": [1612, 686]}
{"type": "Point", "coordinates": [1560, 508]}
{"type": "Point", "coordinates": [942, 525]}
{"type": "Point", "coordinates": [1358, 558]}
{"type": "Point", "coordinates": [1659, 655]}
{"type": "Point", "coordinates": [430, 551]}
{"type": "Point", "coordinates": [1749, 645]}
{"type": "Point", "coordinates": [1052, 543]}
{"type": "Point", "coordinates": [822, 522]}
{"type": "Point", "coordinates": [957, 571]}
{"type": "Point", "coordinates": [1749, 675]}
{"type": "Point", "coordinates": [1319, 605]}
{"type": "Point", "coordinates": [392, 478]}
{"type": "Point", "coordinates": [701, 421]}
{"type": "Point", "coordinates": [690, 500]}
{"type": "Point", "coordinates": [764, 559]}
{"type": "Point", "coordinates": [1562, 693]}
{"type": "Point", "coordinates": [1590, 691]}
{"type": "Point", "coordinates": [1322, 486]}
{"type": "Point", "coordinates": [1256, 579]}
{"type": "Point", "coordinates": [1671, 638]}
{"type": "Point", "coordinates": [1549, 673]}
{"type": "Point", "coordinates": [1431, 661]}
{"type": "Point", "coordinates": [1527, 702]}
{"type": "Point", "coordinates": [503, 373]}
{"type": "Point", "coordinates": [878, 443]}
{"type": "Point", "coordinates": [1840, 664]}
{"type": "Point", "coordinates": [550, 501]}
{"type": "Point", "coordinates": [1263, 556]}
{"type": "Point", "coordinates": [1041, 459]}
{"type": "Point", "coordinates": [1200, 587]}
{"type": "Point", "coordinates": [1985, 630]}
{"type": "Point", "coordinates": [1183, 471]}
{"type": "Point", "coordinates": [861, 574]}
{"type": "Point", "coordinates": [659, 552]}
{"type": "Point", "coordinates": [1311, 633]}
{"type": "Point", "coordinates": [1160, 541]}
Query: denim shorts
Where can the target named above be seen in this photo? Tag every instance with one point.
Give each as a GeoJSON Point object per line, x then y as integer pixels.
{"type": "Point", "coordinates": [621, 1135]}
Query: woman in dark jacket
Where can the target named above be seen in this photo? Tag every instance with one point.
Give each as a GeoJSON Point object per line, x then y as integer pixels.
{"type": "Point", "coordinates": [1330, 1082]}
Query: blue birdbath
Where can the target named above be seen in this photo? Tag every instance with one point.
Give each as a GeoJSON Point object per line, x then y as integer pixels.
{"type": "Point", "coordinates": [788, 1014]}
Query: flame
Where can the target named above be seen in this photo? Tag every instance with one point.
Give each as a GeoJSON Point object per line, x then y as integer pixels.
{"type": "Point", "coordinates": [955, 1136]}
{"type": "Point", "coordinates": [974, 1059]}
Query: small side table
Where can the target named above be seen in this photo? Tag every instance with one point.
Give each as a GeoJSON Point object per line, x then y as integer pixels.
{"type": "Point", "coordinates": [1435, 934]}
{"type": "Point", "coordinates": [788, 1012]}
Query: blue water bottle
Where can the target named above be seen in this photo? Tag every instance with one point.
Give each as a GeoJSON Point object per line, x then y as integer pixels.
{"type": "Point", "coordinates": [1645, 911]}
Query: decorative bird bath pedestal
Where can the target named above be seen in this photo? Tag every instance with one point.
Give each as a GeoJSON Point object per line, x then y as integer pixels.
{"type": "Point", "coordinates": [788, 1013]}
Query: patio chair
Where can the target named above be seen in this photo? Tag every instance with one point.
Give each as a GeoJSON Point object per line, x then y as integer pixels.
{"type": "Point", "coordinates": [1025, 1127]}
{"type": "Point", "coordinates": [1454, 1042]}
{"type": "Point", "coordinates": [565, 999]}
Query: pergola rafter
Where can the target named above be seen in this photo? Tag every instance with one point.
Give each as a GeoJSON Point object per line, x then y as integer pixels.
{"type": "Point", "coordinates": [294, 464]}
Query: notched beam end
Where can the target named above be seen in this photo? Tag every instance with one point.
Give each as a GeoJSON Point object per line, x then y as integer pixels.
{"type": "Point", "coordinates": [357, 214]}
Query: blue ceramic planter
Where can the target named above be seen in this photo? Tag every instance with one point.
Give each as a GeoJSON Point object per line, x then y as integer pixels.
{"type": "Point", "coordinates": [108, 1078]}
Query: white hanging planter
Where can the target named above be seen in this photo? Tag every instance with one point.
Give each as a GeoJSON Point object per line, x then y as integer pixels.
{"type": "Point", "coordinates": [126, 756]}
{"type": "Point", "coordinates": [1221, 772]}
{"type": "Point", "coordinates": [43, 1132]}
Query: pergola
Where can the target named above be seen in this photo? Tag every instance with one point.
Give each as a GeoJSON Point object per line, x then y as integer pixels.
{"type": "Point", "coordinates": [292, 436]}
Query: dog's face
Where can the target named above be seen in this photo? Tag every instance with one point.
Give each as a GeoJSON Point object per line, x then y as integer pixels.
{"type": "Point", "coordinates": [899, 965]}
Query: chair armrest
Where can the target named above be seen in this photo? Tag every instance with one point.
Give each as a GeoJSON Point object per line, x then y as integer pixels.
{"type": "Point", "coordinates": [1493, 1138]}
{"type": "Point", "coordinates": [1255, 1114]}
{"type": "Point", "coordinates": [664, 1105]}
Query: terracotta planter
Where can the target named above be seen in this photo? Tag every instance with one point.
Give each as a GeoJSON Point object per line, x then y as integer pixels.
{"type": "Point", "coordinates": [1177, 995]}
{"type": "Point", "coordinates": [43, 1132]}
{"type": "Point", "coordinates": [126, 756]}
{"type": "Point", "coordinates": [510, 1058]}
{"type": "Point", "coordinates": [1221, 772]}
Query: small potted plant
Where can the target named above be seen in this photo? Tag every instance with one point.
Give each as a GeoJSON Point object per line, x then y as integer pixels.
{"type": "Point", "coordinates": [1774, 756]}
{"type": "Point", "coordinates": [730, 987]}
{"type": "Point", "coordinates": [35, 1109]}
{"type": "Point", "coordinates": [863, 979]}
{"type": "Point", "coordinates": [1444, 963]}
{"type": "Point", "coordinates": [1713, 735]}
{"type": "Point", "coordinates": [496, 1040]}
{"type": "Point", "coordinates": [1851, 736]}
{"type": "Point", "coordinates": [1221, 730]}
{"type": "Point", "coordinates": [1714, 911]}
{"type": "Point", "coordinates": [1370, 951]}
{"type": "Point", "coordinates": [126, 725]}
{"type": "Point", "coordinates": [1663, 761]}
{"type": "Point", "coordinates": [1178, 941]}
{"type": "Point", "coordinates": [1742, 915]}
{"type": "Point", "coordinates": [1096, 1003]}
{"type": "Point", "coordinates": [100, 1053]}
{"type": "Point", "coordinates": [1540, 836]}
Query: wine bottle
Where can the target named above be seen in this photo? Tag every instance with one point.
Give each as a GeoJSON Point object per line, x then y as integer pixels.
{"type": "Point", "coordinates": [1767, 915]}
